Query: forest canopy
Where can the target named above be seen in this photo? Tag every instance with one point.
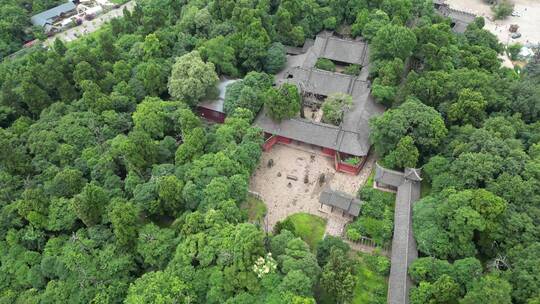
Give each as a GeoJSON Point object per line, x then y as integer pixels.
{"type": "Point", "coordinates": [113, 191]}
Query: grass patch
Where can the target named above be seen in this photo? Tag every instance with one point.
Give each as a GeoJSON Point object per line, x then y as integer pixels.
{"type": "Point", "coordinates": [371, 287]}
{"type": "Point", "coordinates": [308, 227]}
{"type": "Point", "coordinates": [255, 208]}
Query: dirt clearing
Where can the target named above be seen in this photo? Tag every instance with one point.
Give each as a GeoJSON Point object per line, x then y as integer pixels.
{"type": "Point", "coordinates": [291, 184]}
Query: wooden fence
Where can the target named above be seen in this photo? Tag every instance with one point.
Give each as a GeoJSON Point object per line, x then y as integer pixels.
{"type": "Point", "coordinates": [365, 241]}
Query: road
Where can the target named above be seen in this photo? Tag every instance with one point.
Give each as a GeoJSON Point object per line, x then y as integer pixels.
{"type": "Point", "coordinates": [89, 26]}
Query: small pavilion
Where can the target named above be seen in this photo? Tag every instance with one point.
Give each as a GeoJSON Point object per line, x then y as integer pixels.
{"type": "Point", "coordinates": [348, 204]}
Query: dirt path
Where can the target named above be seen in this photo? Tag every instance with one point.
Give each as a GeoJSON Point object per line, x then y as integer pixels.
{"type": "Point", "coordinates": [284, 196]}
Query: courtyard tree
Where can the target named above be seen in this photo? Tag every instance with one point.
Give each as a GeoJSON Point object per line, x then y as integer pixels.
{"type": "Point", "coordinates": [192, 79]}
{"type": "Point", "coordinates": [335, 106]}
{"type": "Point", "coordinates": [283, 102]}
{"type": "Point", "coordinates": [247, 93]}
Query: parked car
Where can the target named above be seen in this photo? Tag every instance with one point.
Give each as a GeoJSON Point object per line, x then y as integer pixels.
{"type": "Point", "coordinates": [515, 35]}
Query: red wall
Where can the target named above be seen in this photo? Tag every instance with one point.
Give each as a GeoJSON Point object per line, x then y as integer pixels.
{"type": "Point", "coordinates": [284, 140]}
{"type": "Point", "coordinates": [343, 167]}
{"type": "Point", "coordinates": [269, 143]}
{"type": "Point", "coordinates": [339, 165]}
{"type": "Point", "coordinates": [211, 115]}
{"type": "Point", "coordinates": [329, 152]}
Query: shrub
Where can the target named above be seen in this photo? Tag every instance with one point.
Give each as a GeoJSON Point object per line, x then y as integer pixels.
{"type": "Point", "coordinates": [325, 64]}
{"type": "Point", "coordinates": [286, 224]}
{"type": "Point", "coordinates": [334, 107]}
{"type": "Point", "coordinates": [503, 9]}
{"type": "Point", "coordinates": [378, 263]}
{"type": "Point", "coordinates": [353, 69]}
{"type": "Point", "coordinates": [353, 234]}
{"type": "Point", "coordinates": [513, 50]}
{"type": "Point", "coordinates": [354, 161]}
{"type": "Point", "coordinates": [326, 245]}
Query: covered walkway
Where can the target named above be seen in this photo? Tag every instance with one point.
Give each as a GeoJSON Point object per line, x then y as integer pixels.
{"type": "Point", "coordinates": [404, 250]}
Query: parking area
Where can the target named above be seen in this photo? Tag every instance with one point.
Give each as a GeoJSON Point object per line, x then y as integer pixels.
{"type": "Point", "coordinates": [89, 26]}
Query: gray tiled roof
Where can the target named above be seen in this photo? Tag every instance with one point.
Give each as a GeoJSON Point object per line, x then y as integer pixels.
{"type": "Point", "coordinates": [324, 82]}
{"type": "Point", "coordinates": [316, 133]}
{"type": "Point", "coordinates": [388, 177]}
{"type": "Point", "coordinates": [344, 50]}
{"type": "Point", "coordinates": [217, 104]}
{"type": "Point", "coordinates": [404, 250]}
{"type": "Point", "coordinates": [214, 105]}
{"type": "Point", "coordinates": [341, 200]}
{"type": "Point", "coordinates": [303, 130]}
{"type": "Point", "coordinates": [460, 19]}
{"type": "Point", "coordinates": [49, 16]}
{"type": "Point", "coordinates": [352, 136]}
{"type": "Point", "coordinates": [413, 174]}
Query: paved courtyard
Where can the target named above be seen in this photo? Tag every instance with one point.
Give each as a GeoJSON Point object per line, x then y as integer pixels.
{"type": "Point", "coordinates": [284, 196]}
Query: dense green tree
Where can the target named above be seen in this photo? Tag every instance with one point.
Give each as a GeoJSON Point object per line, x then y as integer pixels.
{"type": "Point", "coordinates": [159, 287]}
{"type": "Point", "coordinates": [247, 93]}
{"type": "Point", "coordinates": [192, 147]}
{"type": "Point", "coordinates": [405, 155]}
{"type": "Point", "coordinates": [421, 122]}
{"type": "Point", "coordinates": [282, 103]}
{"type": "Point", "coordinates": [393, 41]}
{"type": "Point", "coordinates": [338, 276]}
{"type": "Point", "coordinates": [218, 52]}
{"type": "Point", "coordinates": [156, 246]}
{"type": "Point", "coordinates": [469, 108]}
{"type": "Point", "coordinates": [275, 59]}
{"type": "Point", "coordinates": [152, 74]}
{"type": "Point", "coordinates": [124, 217]}
{"type": "Point", "coordinates": [326, 245]}
{"type": "Point", "coordinates": [525, 283]}
{"type": "Point", "coordinates": [191, 78]}
{"type": "Point", "coordinates": [88, 205]}
{"type": "Point", "coordinates": [66, 183]}
{"type": "Point", "coordinates": [456, 221]}
{"type": "Point", "coordinates": [489, 289]}
{"type": "Point", "coordinates": [297, 282]}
